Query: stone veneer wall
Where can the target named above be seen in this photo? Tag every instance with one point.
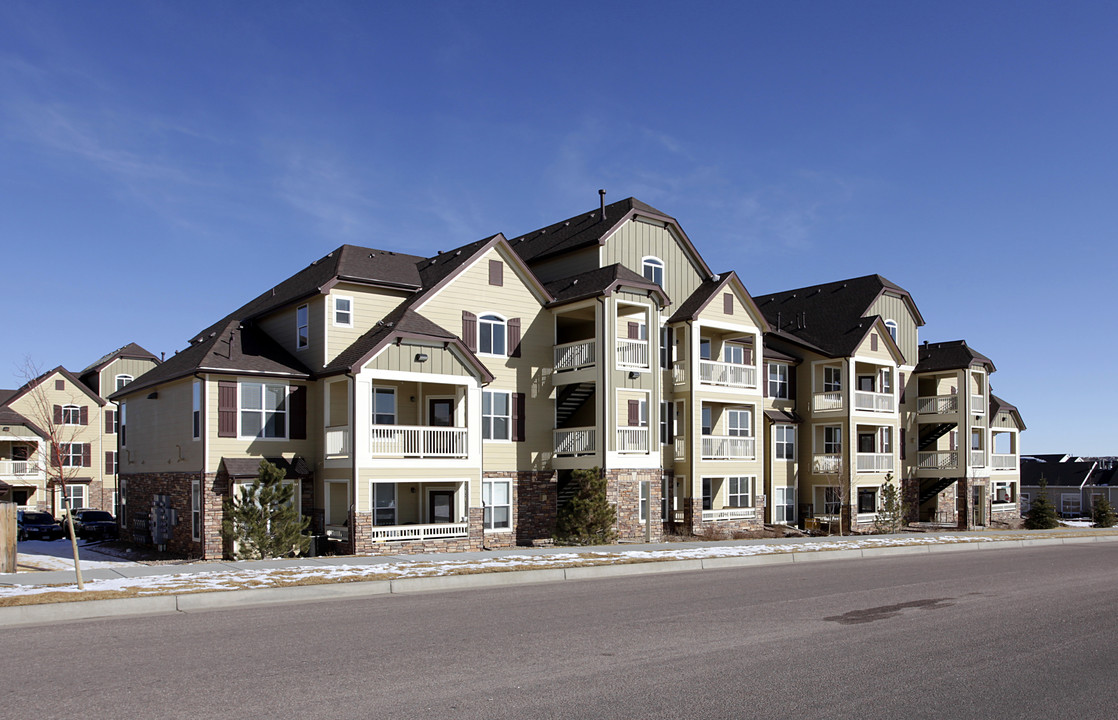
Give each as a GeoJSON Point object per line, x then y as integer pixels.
{"type": "Point", "coordinates": [143, 487]}
{"type": "Point", "coordinates": [623, 490]}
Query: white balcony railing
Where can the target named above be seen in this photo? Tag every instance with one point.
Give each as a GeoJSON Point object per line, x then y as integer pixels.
{"type": "Point", "coordinates": [679, 372]}
{"type": "Point", "coordinates": [632, 440]}
{"type": "Point", "coordinates": [437, 531]}
{"type": "Point", "coordinates": [728, 447]}
{"type": "Point", "coordinates": [573, 442]}
{"type": "Point", "coordinates": [726, 374]}
{"type": "Point", "coordinates": [874, 462]}
{"type": "Point", "coordinates": [977, 405]}
{"type": "Point", "coordinates": [337, 441]}
{"type": "Point", "coordinates": [680, 447]}
{"type": "Point", "coordinates": [632, 353]}
{"type": "Point", "coordinates": [408, 441]}
{"type": "Point", "coordinates": [938, 460]}
{"type": "Point", "coordinates": [1003, 462]}
{"type": "Point", "coordinates": [865, 517]}
{"type": "Point", "coordinates": [575, 355]}
{"type": "Point", "coordinates": [678, 515]}
{"type": "Point", "coordinates": [977, 459]}
{"type": "Point", "coordinates": [20, 468]}
{"type": "Point", "coordinates": [826, 463]}
{"type": "Point", "coordinates": [874, 401]}
{"type": "Point", "coordinates": [831, 400]}
{"type": "Point", "coordinates": [938, 405]}
{"type": "Point", "coordinates": [729, 514]}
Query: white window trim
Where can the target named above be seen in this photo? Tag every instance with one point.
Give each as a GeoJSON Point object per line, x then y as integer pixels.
{"type": "Point", "coordinates": [736, 412]}
{"type": "Point", "coordinates": [833, 451]}
{"type": "Point", "coordinates": [69, 490]}
{"type": "Point", "coordinates": [657, 264]}
{"type": "Point", "coordinates": [334, 315]}
{"type": "Point", "coordinates": [504, 325]}
{"type": "Point", "coordinates": [891, 326]}
{"type": "Point", "coordinates": [395, 502]}
{"type": "Point", "coordinates": [777, 441]}
{"type": "Point", "coordinates": [300, 344]}
{"type": "Point", "coordinates": [263, 394]}
{"type": "Point", "coordinates": [751, 485]}
{"type": "Point", "coordinates": [486, 505]}
{"type": "Point", "coordinates": [126, 381]}
{"type": "Point", "coordinates": [835, 385]}
{"type": "Point", "coordinates": [195, 510]}
{"type": "Point", "coordinates": [196, 410]}
{"type": "Point", "coordinates": [373, 405]}
{"type": "Point", "coordinates": [66, 454]}
{"type": "Point", "coordinates": [508, 417]}
{"type": "Point", "coordinates": [781, 381]}
{"type": "Point", "coordinates": [71, 415]}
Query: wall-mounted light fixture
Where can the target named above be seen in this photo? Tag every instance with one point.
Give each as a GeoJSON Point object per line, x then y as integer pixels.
{"type": "Point", "coordinates": [421, 357]}
{"type": "Point", "coordinates": [633, 374]}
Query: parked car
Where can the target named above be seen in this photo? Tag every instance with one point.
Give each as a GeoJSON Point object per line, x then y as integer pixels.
{"type": "Point", "coordinates": [36, 525]}
{"type": "Point", "coordinates": [94, 524]}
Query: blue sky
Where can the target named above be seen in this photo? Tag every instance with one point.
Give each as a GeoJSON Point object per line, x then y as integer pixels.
{"type": "Point", "coordinates": [161, 163]}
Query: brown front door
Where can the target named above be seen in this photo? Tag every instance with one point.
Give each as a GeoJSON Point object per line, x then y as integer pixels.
{"type": "Point", "coordinates": [440, 506]}
{"type": "Point", "coordinates": [440, 412]}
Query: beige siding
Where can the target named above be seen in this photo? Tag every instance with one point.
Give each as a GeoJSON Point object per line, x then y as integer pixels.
{"type": "Point", "coordinates": [636, 240]}
{"type": "Point", "coordinates": [419, 478]}
{"type": "Point", "coordinates": [891, 307]}
{"type": "Point", "coordinates": [159, 431]}
{"type": "Point", "coordinates": [369, 306]}
{"type": "Point", "coordinates": [529, 374]}
{"type": "Point", "coordinates": [281, 327]}
{"type": "Point", "coordinates": [865, 349]}
{"type": "Point", "coordinates": [402, 358]}
{"type": "Point", "coordinates": [716, 310]}
{"type": "Point", "coordinates": [219, 447]}
{"type": "Point", "coordinates": [566, 265]}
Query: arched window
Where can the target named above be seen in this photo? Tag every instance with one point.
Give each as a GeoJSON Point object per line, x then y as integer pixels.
{"type": "Point", "coordinates": [491, 334]}
{"type": "Point", "coordinates": [653, 269]}
{"type": "Point", "coordinates": [71, 415]}
{"type": "Point", "coordinates": [122, 380]}
{"type": "Point", "coordinates": [891, 326]}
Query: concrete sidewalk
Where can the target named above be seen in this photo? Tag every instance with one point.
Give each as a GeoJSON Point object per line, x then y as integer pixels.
{"type": "Point", "coordinates": [821, 549]}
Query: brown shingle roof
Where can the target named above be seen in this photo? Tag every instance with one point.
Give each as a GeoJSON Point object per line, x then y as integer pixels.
{"type": "Point", "coordinates": [951, 355]}
{"type": "Point", "coordinates": [131, 350]}
{"type": "Point", "coordinates": [582, 230]}
{"type": "Point", "coordinates": [600, 281]}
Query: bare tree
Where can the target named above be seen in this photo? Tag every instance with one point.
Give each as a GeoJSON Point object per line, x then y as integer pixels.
{"type": "Point", "coordinates": [60, 435]}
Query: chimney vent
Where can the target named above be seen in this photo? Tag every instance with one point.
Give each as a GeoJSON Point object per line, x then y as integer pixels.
{"type": "Point", "coordinates": [602, 199]}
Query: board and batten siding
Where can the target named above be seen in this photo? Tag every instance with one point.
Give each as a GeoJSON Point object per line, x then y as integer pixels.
{"type": "Point", "coordinates": [160, 431]}
{"type": "Point", "coordinates": [369, 306]}
{"type": "Point", "coordinates": [402, 358]}
{"type": "Point", "coordinates": [281, 327]}
{"type": "Point", "coordinates": [891, 307]}
{"type": "Point", "coordinates": [121, 366]}
{"type": "Point", "coordinates": [529, 374]}
{"type": "Point", "coordinates": [637, 239]}
{"type": "Point", "coordinates": [1004, 421]}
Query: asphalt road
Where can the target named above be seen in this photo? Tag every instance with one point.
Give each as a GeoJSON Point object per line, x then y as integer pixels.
{"type": "Point", "coordinates": [1023, 633]}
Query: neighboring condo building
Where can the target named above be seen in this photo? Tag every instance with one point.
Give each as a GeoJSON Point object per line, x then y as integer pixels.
{"type": "Point", "coordinates": [59, 425]}
{"type": "Point", "coordinates": [445, 402]}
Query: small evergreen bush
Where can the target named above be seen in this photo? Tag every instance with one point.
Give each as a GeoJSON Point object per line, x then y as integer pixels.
{"type": "Point", "coordinates": [1102, 512]}
{"type": "Point", "coordinates": [1041, 514]}
{"type": "Point", "coordinates": [588, 519]}
{"type": "Point", "coordinates": [263, 521]}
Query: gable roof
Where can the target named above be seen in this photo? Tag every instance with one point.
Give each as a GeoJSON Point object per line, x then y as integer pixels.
{"type": "Point", "coordinates": [1064, 474]}
{"type": "Point", "coordinates": [830, 318]}
{"type": "Point", "coordinates": [34, 382]}
{"type": "Point", "coordinates": [707, 290]}
{"type": "Point", "coordinates": [9, 417]}
{"type": "Point", "coordinates": [600, 281]}
{"type": "Point", "coordinates": [998, 405]}
{"type": "Point", "coordinates": [131, 350]}
{"type": "Point", "coordinates": [590, 229]}
{"type": "Point", "coordinates": [951, 355]}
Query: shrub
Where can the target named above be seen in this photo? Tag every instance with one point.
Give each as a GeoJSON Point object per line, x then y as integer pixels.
{"type": "Point", "coordinates": [263, 521]}
{"type": "Point", "coordinates": [587, 519]}
{"type": "Point", "coordinates": [1042, 514]}
{"type": "Point", "coordinates": [1102, 512]}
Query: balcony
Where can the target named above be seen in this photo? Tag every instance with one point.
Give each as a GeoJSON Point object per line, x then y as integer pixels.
{"type": "Point", "coordinates": [729, 514]}
{"type": "Point", "coordinates": [977, 459]}
{"type": "Point", "coordinates": [632, 353]}
{"type": "Point", "coordinates": [874, 462]}
{"type": "Point", "coordinates": [575, 442]}
{"type": "Point", "coordinates": [938, 405]}
{"type": "Point", "coordinates": [633, 440]}
{"type": "Point", "coordinates": [977, 405]}
{"type": "Point", "coordinates": [723, 374]}
{"type": "Point", "coordinates": [938, 460]}
{"type": "Point", "coordinates": [404, 441]}
{"type": "Point", "coordinates": [874, 401]}
{"type": "Point", "coordinates": [337, 441]}
{"type": "Point", "coordinates": [826, 463]}
{"type": "Point", "coordinates": [728, 447]}
{"type": "Point", "coordinates": [22, 469]}
{"type": "Point", "coordinates": [830, 400]}
{"type": "Point", "coordinates": [1003, 462]}
{"type": "Point", "coordinates": [437, 531]}
{"type": "Point", "coordinates": [575, 355]}
{"type": "Point", "coordinates": [680, 447]}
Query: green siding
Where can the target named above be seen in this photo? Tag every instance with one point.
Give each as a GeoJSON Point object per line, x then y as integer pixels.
{"type": "Point", "coordinates": [401, 358]}
{"type": "Point", "coordinates": [636, 240]}
{"type": "Point", "coordinates": [908, 337]}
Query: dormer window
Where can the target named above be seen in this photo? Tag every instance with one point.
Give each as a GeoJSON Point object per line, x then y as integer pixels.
{"type": "Point", "coordinates": [491, 334]}
{"type": "Point", "coordinates": [343, 311]}
{"type": "Point", "coordinates": [653, 269]}
{"type": "Point", "coordinates": [302, 328]}
{"type": "Point", "coordinates": [891, 326]}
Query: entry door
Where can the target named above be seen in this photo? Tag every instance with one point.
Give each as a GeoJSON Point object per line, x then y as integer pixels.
{"type": "Point", "coordinates": [440, 412]}
{"type": "Point", "coordinates": [978, 503]}
{"type": "Point", "coordinates": [440, 506]}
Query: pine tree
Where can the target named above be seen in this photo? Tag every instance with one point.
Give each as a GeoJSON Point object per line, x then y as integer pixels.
{"type": "Point", "coordinates": [1041, 514]}
{"type": "Point", "coordinates": [587, 519]}
{"type": "Point", "coordinates": [894, 511]}
{"type": "Point", "coordinates": [1102, 512]}
{"type": "Point", "coordinates": [263, 520]}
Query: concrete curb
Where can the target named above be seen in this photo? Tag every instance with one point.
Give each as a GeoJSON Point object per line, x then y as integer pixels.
{"type": "Point", "coordinates": [257, 597]}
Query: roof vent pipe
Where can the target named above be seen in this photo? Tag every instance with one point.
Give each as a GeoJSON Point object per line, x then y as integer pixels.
{"type": "Point", "coordinates": [602, 199]}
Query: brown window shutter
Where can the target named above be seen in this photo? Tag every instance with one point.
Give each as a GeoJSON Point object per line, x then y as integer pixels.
{"type": "Point", "coordinates": [469, 330]}
{"type": "Point", "coordinates": [54, 455]}
{"type": "Point", "coordinates": [84, 415]}
{"type": "Point", "coordinates": [634, 331]}
{"type": "Point", "coordinates": [873, 341]}
{"type": "Point", "coordinates": [109, 463]}
{"type": "Point", "coordinates": [496, 273]}
{"type": "Point", "coordinates": [634, 413]}
{"type": "Point", "coordinates": [514, 337]}
{"type": "Point", "coordinates": [902, 443]}
{"type": "Point", "coordinates": [87, 458]}
{"type": "Point", "coordinates": [297, 403]}
{"type": "Point", "coordinates": [60, 385]}
{"type": "Point", "coordinates": [901, 375]}
{"type": "Point", "coordinates": [728, 303]}
{"type": "Point", "coordinates": [748, 356]}
{"type": "Point", "coordinates": [57, 414]}
{"type": "Point", "coordinates": [791, 382]}
{"type": "Point", "coordinates": [110, 422]}
{"type": "Point", "coordinates": [518, 417]}
{"type": "Point", "coordinates": [226, 409]}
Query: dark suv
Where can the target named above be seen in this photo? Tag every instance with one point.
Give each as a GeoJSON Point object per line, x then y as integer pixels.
{"type": "Point", "coordinates": [35, 525]}
{"type": "Point", "coordinates": [94, 524]}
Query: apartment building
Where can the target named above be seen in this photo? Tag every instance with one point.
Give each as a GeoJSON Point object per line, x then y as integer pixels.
{"type": "Point", "coordinates": [63, 420]}
{"type": "Point", "coordinates": [445, 402]}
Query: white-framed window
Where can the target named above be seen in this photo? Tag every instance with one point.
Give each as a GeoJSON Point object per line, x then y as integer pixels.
{"type": "Point", "coordinates": [343, 311]}
{"type": "Point", "coordinates": [75, 496]}
{"type": "Point", "coordinates": [302, 327]}
{"type": "Point", "coordinates": [832, 379]}
{"type": "Point", "coordinates": [778, 381]}
{"type": "Point", "coordinates": [707, 421]}
{"type": "Point", "coordinates": [496, 499]}
{"type": "Point", "coordinates": [739, 492]}
{"type": "Point", "coordinates": [492, 334]}
{"type": "Point", "coordinates": [784, 440]}
{"type": "Point", "coordinates": [116, 504]}
{"type": "Point", "coordinates": [885, 440]}
{"type": "Point", "coordinates": [832, 439]}
{"type": "Point", "coordinates": [784, 509]}
{"type": "Point", "coordinates": [708, 494]}
{"type": "Point", "coordinates": [976, 439]}
{"type": "Point", "coordinates": [653, 269]}
{"type": "Point", "coordinates": [195, 509]}
{"type": "Point", "coordinates": [645, 499]}
{"type": "Point", "coordinates": [71, 415]}
{"type": "Point", "coordinates": [885, 380]}
{"type": "Point", "coordinates": [832, 500]}
{"type": "Point", "coordinates": [733, 353]}
{"type": "Point", "coordinates": [704, 348]}
{"type": "Point", "coordinates": [1004, 491]}
{"type": "Point", "coordinates": [384, 503]}
{"type": "Point", "coordinates": [70, 454]}
{"type": "Point", "coordinates": [263, 410]}
{"type": "Point", "coordinates": [196, 419]}
{"type": "Point", "coordinates": [384, 406]}
{"type": "Point", "coordinates": [891, 326]}
{"type": "Point", "coordinates": [867, 500]}
{"type": "Point", "coordinates": [122, 380]}
{"type": "Point", "coordinates": [739, 423]}
{"type": "Point", "coordinates": [496, 415]}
